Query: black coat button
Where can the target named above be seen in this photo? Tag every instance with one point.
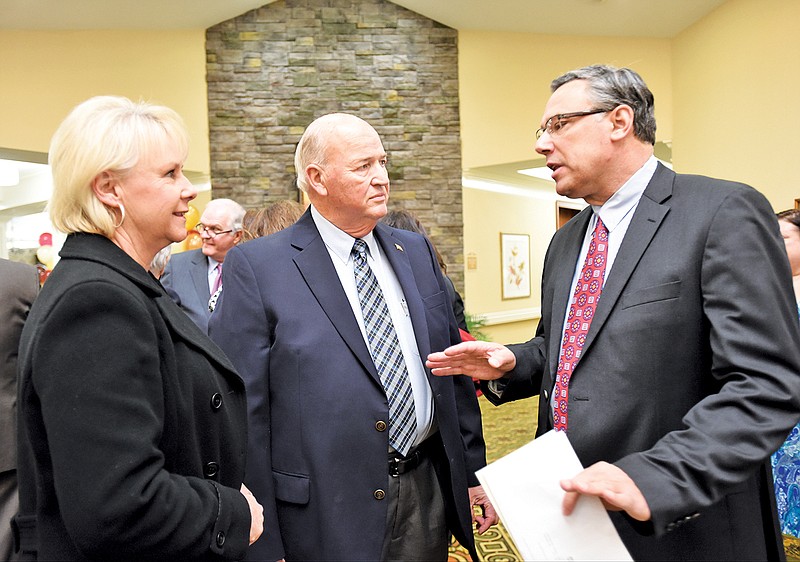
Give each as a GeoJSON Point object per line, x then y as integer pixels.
{"type": "Point", "coordinates": [211, 469]}
{"type": "Point", "coordinates": [379, 494]}
{"type": "Point", "coordinates": [546, 395]}
{"type": "Point", "coordinates": [216, 401]}
{"type": "Point", "coordinates": [380, 425]}
{"type": "Point", "coordinates": [220, 539]}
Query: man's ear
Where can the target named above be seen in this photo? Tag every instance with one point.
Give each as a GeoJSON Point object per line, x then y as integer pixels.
{"type": "Point", "coordinates": [622, 122]}
{"type": "Point", "coordinates": [315, 179]}
{"type": "Point", "coordinates": [106, 188]}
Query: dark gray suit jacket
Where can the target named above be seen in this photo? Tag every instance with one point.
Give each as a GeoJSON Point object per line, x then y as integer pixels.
{"type": "Point", "coordinates": [186, 280]}
{"type": "Point", "coordinates": [19, 284]}
{"type": "Point", "coordinates": [689, 375]}
{"type": "Point", "coordinates": [317, 455]}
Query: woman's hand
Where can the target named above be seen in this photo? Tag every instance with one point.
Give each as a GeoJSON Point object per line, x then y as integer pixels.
{"type": "Point", "coordinates": [256, 514]}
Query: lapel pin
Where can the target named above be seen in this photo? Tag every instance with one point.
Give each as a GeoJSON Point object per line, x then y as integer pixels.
{"type": "Point", "coordinates": [399, 247]}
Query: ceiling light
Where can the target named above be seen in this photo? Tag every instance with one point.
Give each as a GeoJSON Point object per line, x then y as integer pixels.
{"type": "Point", "coordinates": [541, 172]}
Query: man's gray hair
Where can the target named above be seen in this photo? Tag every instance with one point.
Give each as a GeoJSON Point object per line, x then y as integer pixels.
{"type": "Point", "coordinates": [232, 210]}
{"type": "Point", "coordinates": [610, 87]}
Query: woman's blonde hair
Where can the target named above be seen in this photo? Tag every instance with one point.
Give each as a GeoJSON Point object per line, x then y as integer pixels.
{"type": "Point", "coordinates": [103, 134]}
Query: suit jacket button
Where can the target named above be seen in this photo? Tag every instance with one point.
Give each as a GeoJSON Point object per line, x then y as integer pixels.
{"type": "Point", "coordinates": [216, 401]}
{"type": "Point", "coordinates": [546, 395]}
{"type": "Point", "coordinates": [379, 494]}
{"type": "Point", "coordinates": [211, 469]}
{"type": "Point", "coordinates": [220, 539]}
{"type": "Point", "coordinates": [380, 425]}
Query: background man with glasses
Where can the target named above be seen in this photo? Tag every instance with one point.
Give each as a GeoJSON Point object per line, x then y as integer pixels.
{"type": "Point", "coordinates": [192, 277]}
{"type": "Point", "coordinates": [668, 347]}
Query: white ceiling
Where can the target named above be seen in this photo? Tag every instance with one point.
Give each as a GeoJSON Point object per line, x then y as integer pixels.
{"type": "Point", "coordinates": [642, 18]}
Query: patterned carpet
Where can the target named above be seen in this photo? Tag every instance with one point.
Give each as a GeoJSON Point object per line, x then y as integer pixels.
{"type": "Point", "coordinates": [505, 429]}
{"type": "Point", "coordinates": [792, 547]}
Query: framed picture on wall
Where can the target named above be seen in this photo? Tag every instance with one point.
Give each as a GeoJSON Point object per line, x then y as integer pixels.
{"type": "Point", "coordinates": [515, 256]}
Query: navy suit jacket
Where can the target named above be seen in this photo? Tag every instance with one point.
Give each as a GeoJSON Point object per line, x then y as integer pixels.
{"type": "Point", "coordinates": [317, 454]}
{"type": "Point", "coordinates": [186, 280]}
{"type": "Point", "coordinates": [688, 379]}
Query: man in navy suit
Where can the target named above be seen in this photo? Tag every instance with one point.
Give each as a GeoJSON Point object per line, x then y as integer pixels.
{"type": "Point", "coordinates": [190, 278]}
{"type": "Point", "coordinates": [290, 318]}
{"type": "Point", "coordinates": [688, 378]}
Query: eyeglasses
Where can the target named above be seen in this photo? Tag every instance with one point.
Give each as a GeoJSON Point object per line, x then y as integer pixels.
{"type": "Point", "coordinates": [554, 125]}
{"type": "Point", "coordinates": [212, 232]}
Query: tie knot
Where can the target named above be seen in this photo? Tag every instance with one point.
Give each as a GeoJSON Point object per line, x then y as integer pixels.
{"type": "Point", "coordinates": [359, 250]}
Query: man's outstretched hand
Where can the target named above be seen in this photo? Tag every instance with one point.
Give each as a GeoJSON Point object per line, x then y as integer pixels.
{"type": "Point", "coordinates": [477, 359]}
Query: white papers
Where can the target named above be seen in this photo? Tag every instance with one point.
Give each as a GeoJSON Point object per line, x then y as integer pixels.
{"type": "Point", "coordinates": [524, 488]}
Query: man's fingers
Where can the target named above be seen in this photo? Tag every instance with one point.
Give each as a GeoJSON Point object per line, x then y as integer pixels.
{"type": "Point", "coordinates": [569, 502]}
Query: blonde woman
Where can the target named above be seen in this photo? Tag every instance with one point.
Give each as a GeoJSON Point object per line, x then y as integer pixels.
{"type": "Point", "coordinates": [132, 422]}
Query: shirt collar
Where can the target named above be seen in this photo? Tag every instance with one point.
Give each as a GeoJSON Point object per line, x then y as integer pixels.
{"type": "Point", "coordinates": [338, 241]}
{"type": "Point", "coordinates": [626, 198]}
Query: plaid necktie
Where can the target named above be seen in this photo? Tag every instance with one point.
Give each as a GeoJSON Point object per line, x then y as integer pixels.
{"type": "Point", "coordinates": [386, 353]}
{"type": "Point", "coordinates": [581, 311]}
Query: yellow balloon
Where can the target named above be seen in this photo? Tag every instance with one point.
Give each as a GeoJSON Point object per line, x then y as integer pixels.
{"type": "Point", "coordinates": [46, 255]}
{"type": "Point", "coordinates": [192, 217]}
{"type": "Point", "coordinates": [193, 241]}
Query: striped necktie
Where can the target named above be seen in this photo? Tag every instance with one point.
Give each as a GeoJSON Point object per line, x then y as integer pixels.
{"type": "Point", "coordinates": [386, 353]}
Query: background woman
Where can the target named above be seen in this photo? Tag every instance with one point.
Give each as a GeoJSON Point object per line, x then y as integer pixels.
{"type": "Point", "coordinates": [786, 460]}
{"type": "Point", "coordinates": [132, 422]}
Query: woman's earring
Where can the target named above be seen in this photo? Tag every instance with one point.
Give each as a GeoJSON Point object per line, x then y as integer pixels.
{"type": "Point", "coordinates": [122, 217]}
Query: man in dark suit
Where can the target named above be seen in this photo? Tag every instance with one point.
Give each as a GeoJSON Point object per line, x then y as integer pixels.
{"type": "Point", "coordinates": [192, 277]}
{"type": "Point", "coordinates": [325, 458]}
{"type": "Point", "coordinates": [19, 284]}
{"type": "Point", "coordinates": [685, 376]}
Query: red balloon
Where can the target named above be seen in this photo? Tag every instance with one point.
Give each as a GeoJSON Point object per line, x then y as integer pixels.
{"type": "Point", "coordinates": [45, 239]}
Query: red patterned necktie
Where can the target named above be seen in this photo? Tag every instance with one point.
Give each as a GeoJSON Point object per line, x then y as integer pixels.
{"type": "Point", "coordinates": [581, 312]}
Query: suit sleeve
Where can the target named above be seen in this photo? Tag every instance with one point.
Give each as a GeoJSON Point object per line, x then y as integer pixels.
{"type": "Point", "coordinates": [754, 361]}
{"type": "Point", "coordinates": [525, 379]}
{"type": "Point", "coordinates": [97, 376]}
{"type": "Point", "coordinates": [239, 325]}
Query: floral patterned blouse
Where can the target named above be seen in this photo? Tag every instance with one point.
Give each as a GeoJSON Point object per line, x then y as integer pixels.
{"type": "Point", "coordinates": [786, 476]}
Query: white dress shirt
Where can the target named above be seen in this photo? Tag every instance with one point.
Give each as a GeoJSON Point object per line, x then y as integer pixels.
{"type": "Point", "coordinates": [339, 245]}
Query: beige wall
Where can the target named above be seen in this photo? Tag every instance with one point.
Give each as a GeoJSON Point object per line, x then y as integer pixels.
{"type": "Point", "coordinates": [736, 80]}
{"type": "Point", "coordinates": [504, 81]}
{"type": "Point", "coordinates": [45, 73]}
{"type": "Point", "coordinates": [726, 96]}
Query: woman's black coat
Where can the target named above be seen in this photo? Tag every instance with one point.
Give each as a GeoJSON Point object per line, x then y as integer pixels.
{"type": "Point", "coordinates": [132, 432]}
